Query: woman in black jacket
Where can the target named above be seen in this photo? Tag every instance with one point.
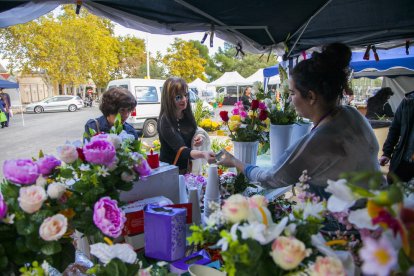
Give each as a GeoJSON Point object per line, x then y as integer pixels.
{"type": "Point", "coordinates": [177, 126]}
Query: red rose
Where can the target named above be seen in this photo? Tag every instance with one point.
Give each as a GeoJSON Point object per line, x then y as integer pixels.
{"type": "Point", "coordinates": [80, 154]}
{"type": "Point", "coordinates": [224, 116]}
{"type": "Point", "coordinates": [262, 115]}
{"type": "Point", "coordinates": [255, 104]}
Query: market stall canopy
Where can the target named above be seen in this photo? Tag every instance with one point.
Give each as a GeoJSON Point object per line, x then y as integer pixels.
{"type": "Point", "coordinates": [8, 84]}
{"type": "Point", "coordinates": [229, 79]}
{"type": "Point", "coordinates": [392, 63]}
{"type": "Point", "coordinates": [199, 84]}
{"type": "Point", "coordinates": [256, 26]}
{"type": "Point", "coordinates": [258, 76]}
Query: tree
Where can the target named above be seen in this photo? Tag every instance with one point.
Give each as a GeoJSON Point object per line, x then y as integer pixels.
{"type": "Point", "coordinates": [132, 57]}
{"type": "Point", "coordinates": [70, 48]}
{"type": "Point", "coordinates": [183, 60]}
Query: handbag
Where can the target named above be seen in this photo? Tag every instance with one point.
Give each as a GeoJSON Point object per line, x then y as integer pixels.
{"type": "Point", "coordinates": [189, 165]}
{"type": "Point", "coordinates": [3, 117]}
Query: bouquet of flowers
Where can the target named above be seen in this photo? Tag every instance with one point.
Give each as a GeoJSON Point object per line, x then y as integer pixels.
{"type": "Point", "coordinates": [44, 200]}
{"type": "Point", "coordinates": [247, 125]}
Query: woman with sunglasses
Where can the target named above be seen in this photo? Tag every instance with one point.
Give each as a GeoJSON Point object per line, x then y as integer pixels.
{"type": "Point", "coordinates": [177, 127]}
{"type": "Point", "coordinates": [115, 100]}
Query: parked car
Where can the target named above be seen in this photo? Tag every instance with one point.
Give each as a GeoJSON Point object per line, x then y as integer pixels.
{"type": "Point", "coordinates": [56, 103]}
{"type": "Point", "coordinates": [148, 95]}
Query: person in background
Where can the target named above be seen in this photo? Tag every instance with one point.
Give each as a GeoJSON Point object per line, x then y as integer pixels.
{"type": "Point", "coordinates": [341, 139]}
{"type": "Point", "coordinates": [2, 109]}
{"type": "Point", "coordinates": [348, 95]}
{"type": "Point", "coordinates": [177, 127]}
{"type": "Point", "coordinates": [378, 106]}
{"type": "Point", "coordinates": [247, 97]}
{"type": "Point", "coordinates": [115, 100]}
{"type": "Point", "coordinates": [7, 107]}
{"type": "Point", "coordinates": [399, 145]}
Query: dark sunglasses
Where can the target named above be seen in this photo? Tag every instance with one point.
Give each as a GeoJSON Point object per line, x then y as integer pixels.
{"type": "Point", "coordinates": [180, 97]}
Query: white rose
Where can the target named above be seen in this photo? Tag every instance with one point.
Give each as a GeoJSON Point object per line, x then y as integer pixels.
{"type": "Point", "coordinates": [67, 153]}
{"type": "Point", "coordinates": [41, 181]}
{"type": "Point", "coordinates": [288, 252]}
{"type": "Point", "coordinates": [55, 190]}
{"type": "Point", "coordinates": [53, 228]}
{"type": "Point", "coordinates": [31, 198]}
{"type": "Point", "coordinates": [236, 208]}
{"type": "Point", "coordinates": [115, 140]}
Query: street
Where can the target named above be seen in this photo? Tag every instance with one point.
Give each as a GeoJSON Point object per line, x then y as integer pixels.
{"type": "Point", "coordinates": [45, 131]}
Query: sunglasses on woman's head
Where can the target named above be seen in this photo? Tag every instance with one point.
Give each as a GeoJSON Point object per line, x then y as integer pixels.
{"type": "Point", "coordinates": [180, 97]}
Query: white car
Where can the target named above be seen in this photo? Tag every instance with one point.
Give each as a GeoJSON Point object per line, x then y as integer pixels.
{"type": "Point", "coordinates": [57, 103]}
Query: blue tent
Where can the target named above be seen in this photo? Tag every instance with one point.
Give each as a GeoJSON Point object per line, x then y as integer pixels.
{"type": "Point", "coordinates": [8, 84]}
{"type": "Point", "coordinates": [389, 59]}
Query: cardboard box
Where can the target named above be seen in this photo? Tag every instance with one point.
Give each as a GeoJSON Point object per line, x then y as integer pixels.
{"type": "Point", "coordinates": [163, 181]}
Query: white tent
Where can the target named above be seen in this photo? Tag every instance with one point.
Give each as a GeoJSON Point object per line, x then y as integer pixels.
{"type": "Point", "coordinates": [258, 76]}
{"type": "Point", "coordinates": [229, 79]}
{"type": "Point", "coordinates": [199, 84]}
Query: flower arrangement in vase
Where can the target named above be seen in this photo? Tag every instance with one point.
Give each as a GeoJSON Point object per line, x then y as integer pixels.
{"type": "Point", "coordinates": [44, 200]}
{"type": "Point", "coordinates": [247, 129]}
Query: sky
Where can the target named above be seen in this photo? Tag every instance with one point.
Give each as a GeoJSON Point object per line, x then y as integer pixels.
{"type": "Point", "coordinates": [159, 42]}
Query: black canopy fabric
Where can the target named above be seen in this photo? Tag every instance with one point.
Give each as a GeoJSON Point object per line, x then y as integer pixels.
{"type": "Point", "coordinates": [263, 25]}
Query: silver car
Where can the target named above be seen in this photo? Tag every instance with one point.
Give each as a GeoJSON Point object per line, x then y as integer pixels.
{"type": "Point", "coordinates": [56, 103]}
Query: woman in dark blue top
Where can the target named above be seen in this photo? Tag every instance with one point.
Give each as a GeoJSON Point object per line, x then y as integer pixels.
{"type": "Point", "coordinates": [115, 100]}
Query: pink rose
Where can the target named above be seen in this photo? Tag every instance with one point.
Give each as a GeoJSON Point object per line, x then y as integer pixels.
{"type": "Point", "coordinates": [21, 171]}
{"type": "Point", "coordinates": [31, 198]}
{"type": "Point", "coordinates": [53, 228]}
{"type": "Point", "coordinates": [68, 153]}
{"type": "Point", "coordinates": [108, 217]}
{"type": "Point", "coordinates": [326, 266]}
{"type": "Point", "coordinates": [288, 252]}
{"type": "Point", "coordinates": [47, 164]}
{"type": "Point", "coordinates": [101, 152]}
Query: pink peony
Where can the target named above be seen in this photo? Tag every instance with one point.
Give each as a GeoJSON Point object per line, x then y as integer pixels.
{"type": "Point", "coordinates": [108, 217]}
{"type": "Point", "coordinates": [236, 208]}
{"type": "Point", "coordinates": [3, 207]}
{"type": "Point", "coordinates": [142, 167]}
{"type": "Point", "coordinates": [47, 164]}
{"type": "Point", "coordinates": [101, 152]}
{"type": "Point", "coordinates": [21, 171]}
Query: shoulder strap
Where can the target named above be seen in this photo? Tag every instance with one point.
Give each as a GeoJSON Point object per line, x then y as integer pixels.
{"type": "Point", "coordinates": [97, 126]}
{"type": "Point", "coordinates": [178, 154]}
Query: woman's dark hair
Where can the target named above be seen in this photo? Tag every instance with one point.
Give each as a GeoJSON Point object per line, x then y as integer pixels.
{"type": "Point", "coordinates": [245, 90]}
{"type": "Point", "coordinates": [383, 94]}
{"type": "Point", "coordinates": [325, 73]}
{"type": "Point", "coordinates": [116, 98]}
{"type": "Point", "coordinates": [173, 87]}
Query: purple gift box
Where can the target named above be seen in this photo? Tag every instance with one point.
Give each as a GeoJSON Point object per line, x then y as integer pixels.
{"type": "Point", "coordinates": [164, 229]}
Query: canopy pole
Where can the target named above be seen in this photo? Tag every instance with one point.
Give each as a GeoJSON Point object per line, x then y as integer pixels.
{"type": "Point", "coordinates": [21, 105]}
{"type": "Point", "coordinates": [303, 27]}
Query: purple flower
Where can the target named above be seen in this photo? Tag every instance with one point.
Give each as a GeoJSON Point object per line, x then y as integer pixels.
{"type": "Point", "coordinates": [142, 167]}
{"type": "Point", "coordinates": [47, 164]}
{"type": "Point", "coordinates": [101, 152]}
{"type": "Point", "coordinates": [108, 217]}
{"type": "Point", "coordinates": [262, 106]}
{"type": "Point", "coordinates": [235, 111]}
{"type": "Point", "coordinates": [21, 171]}
{"type": "Point", "coordinates": [3, 207]}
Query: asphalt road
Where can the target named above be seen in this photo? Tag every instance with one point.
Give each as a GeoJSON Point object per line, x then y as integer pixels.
{"type": "Point", "coordinates": [45, 131]}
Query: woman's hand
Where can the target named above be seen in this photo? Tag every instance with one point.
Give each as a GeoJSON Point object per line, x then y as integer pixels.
{"type": "Point", "coordinates": [209, 156]}
{"type": "Point", "coordinates": [198, 140]}
{"type": "Point", "coordinates": [384, 160]}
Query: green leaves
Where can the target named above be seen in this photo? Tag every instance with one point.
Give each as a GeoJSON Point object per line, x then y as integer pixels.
{"type": "Point", "coordinates": [51, 248]}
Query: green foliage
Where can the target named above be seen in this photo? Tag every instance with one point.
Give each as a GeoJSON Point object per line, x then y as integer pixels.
{"type": "Point", "coordinates": [200, 112]}
{"type": "Point", "coordinates": [218, 144]}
